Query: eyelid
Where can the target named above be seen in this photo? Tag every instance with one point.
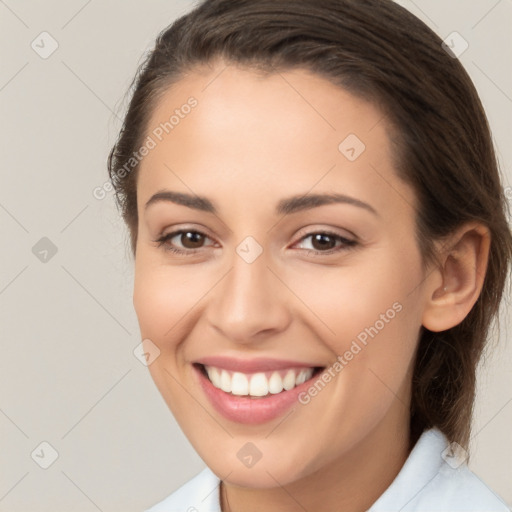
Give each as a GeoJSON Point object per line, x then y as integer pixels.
{"type": "Point", "coordinates": [346, 242]}
{"type": "Point", "coordinates": [312, 230]}
{"type": "Point", "coordinates": [175, 230]}
{"type": "Point", "coordinates": [165, 237]}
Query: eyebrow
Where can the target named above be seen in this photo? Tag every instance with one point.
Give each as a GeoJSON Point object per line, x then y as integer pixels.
{"type": "Point", "coordinates": [284, 207]}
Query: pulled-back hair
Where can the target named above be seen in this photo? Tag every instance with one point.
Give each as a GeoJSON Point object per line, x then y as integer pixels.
{"type": "Point", "coordinates": [381, 53]}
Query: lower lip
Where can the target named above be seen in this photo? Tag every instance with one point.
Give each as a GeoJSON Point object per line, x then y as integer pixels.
{"type": "Point", "coordinates": [242, 409]}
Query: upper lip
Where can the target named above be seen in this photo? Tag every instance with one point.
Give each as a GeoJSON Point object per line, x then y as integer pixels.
{"type": "Point", "coordinates": [257, 364]}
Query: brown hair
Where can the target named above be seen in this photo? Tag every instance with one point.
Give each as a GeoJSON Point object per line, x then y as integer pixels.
{"type": "Point", "coordinates": [378, 51]}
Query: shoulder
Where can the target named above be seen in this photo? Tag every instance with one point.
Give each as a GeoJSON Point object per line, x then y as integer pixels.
{"type": "Point", "coordinates": [199, 494]}
{"type": "Point", "coordinates": [457, 490]}
{"type": "Point", "coordinates": [436, 478]}
{"type": "Point", "coordinates": [463, 490]}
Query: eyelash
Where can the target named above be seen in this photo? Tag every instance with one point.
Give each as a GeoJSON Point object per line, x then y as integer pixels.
{"type": "Point", "coordinates": [163, 241]}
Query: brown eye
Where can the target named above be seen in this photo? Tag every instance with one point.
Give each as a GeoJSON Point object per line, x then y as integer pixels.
{"type": "Point", "coordinates": [322, 241]}
{"type": "Point", "coordinates": [183, 241]}
{"type": "Point", "coordinates": [191, 239]}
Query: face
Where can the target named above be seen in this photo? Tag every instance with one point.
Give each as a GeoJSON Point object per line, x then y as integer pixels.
{"type": "Point", "coordinates": [277, 275]}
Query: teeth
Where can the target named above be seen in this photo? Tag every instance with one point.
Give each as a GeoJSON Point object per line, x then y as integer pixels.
{"type": "Point", "coordinates": [239, 384]}
{"type": "Point", "coordinates": [225, 381]}
{"type": "Point", "coordinates": [289, 380]}
{"type": "Point", "coordinates": [275, 383]}
{"type": "Point", "coordinates": [301, 378]}
{"type": "Point", "coordinates": [257, 384]}
{"type": "Point", "coordinates": [214, 377]}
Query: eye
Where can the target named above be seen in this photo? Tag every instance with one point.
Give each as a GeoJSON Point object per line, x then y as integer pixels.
{"type": "Point", "coordinates": [190, 240]}
{"type": "Point", "coordinates": [321, 242]}
{"type": "Point", "coordinates": [326, 242]}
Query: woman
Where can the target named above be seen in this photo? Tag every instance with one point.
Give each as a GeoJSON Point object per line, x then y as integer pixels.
{"type": "Point", "coordinates": [321, 244]}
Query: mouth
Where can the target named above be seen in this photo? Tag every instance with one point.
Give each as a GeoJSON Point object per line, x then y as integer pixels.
{"type": "Point", "coordinates": [257, 385]}
{"type": "Point", "coordinates": [253, 391]}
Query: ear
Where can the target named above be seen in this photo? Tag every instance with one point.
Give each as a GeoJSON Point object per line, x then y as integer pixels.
{"type": "Point", "coordinates": [455, 284]}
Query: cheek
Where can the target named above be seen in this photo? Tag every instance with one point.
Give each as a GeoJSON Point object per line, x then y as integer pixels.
{"type": "Point", "coordinates": [163, 302]}
{"type": "Point", "coordinates": [349, 300]}
{"type": "Point", "coordinates": [370, 313]}
{"type": "Point", "coordinates": [161, 298]}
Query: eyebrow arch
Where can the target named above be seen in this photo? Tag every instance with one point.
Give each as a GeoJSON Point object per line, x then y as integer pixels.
{"type": "Point", "coordinates": [305, 202]}
{"type": "Point", "coordinates": [284, 207]}
{"type": "Point", "coordinates": [188, 200]}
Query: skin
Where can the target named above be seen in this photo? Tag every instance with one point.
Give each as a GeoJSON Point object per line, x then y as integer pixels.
{"type": "Point", "coordinates": [250, 142]}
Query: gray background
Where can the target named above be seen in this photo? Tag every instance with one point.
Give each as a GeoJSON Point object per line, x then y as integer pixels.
{"type": "Point", "coordinates": [68, 373]}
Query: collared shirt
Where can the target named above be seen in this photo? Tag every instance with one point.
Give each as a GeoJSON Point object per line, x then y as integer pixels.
{"type": "Point", "coordinates": [434, 478]}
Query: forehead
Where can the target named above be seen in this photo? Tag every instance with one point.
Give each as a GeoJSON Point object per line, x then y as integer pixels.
{"type": "Point", "coordinates": [289, 130]}
{"type": "Point", "coordinates": [243, 100]}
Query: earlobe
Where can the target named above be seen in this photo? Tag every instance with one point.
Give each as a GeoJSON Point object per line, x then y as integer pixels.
{"type": "Point", "coordinates": [461, 272]}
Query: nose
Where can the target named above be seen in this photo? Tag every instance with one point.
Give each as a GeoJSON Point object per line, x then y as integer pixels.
{"type": "Point", "coordinates": [250, 303]}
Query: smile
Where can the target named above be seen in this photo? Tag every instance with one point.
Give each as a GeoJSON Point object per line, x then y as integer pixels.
{"type": "Point", "coordinates": [258, 384]}
{"type": "Point", "coordinates": [255, 391]}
